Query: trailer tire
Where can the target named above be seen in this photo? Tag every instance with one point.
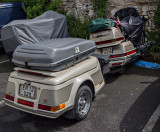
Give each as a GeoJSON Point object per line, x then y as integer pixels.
{"type": "Point", "coordinates": [83, 101]}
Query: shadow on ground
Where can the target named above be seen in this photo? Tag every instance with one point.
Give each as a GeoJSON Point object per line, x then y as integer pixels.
{"type": "Point", "coordinates": [140, 112]}
{"type": "Point", "coordinates": [14, 120]}
{"type": "Point", "coordinates": [6, 67]}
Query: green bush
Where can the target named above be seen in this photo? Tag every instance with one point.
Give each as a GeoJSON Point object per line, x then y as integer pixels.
{"type": "Point", "coordinates": [34, 8]}
{"type": "Point", "coordinates": [11, 0]}
{"type": "Point", "coordinates": [154, 36]}
{"type": "Point", "coordinates": [100, 7]}
{"type": "Point", "coordinates": [78, 28]}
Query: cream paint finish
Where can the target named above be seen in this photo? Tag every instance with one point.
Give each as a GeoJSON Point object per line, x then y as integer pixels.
{"type": "Point", "coordinates": [90, 67]}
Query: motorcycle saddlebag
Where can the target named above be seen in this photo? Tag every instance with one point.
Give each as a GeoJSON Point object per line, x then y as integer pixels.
{"type": "Point", "coordinates": [53, 55]}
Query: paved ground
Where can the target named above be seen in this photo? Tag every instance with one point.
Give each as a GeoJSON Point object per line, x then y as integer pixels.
{"type": "Point", "coordinates": [127, 103]}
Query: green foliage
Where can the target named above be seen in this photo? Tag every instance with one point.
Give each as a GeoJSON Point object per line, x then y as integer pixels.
{"type": "Point", "coordinates": [78, 28]}
{"type": "Point", "coordinates": [34, 8]}
{"type": "Point", "coordinates": [154, 36]}
{"type": "Point", "coordinates": [100, 7]}
{"type": "Point", "coordinates": [11, 0]}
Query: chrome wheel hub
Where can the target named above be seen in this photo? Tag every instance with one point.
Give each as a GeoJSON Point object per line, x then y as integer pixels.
{"type": "Point", "coordinates": [84, 103]}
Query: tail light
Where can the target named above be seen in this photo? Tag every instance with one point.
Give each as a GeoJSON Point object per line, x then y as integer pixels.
{"type": "Point", "coordinates": [116, 64]}
{"type": "Point", "coordinates": [118, 55]}
{"type": "Point", "coordinates": [130, 52]}
{"type": "Point", "coordinates": [51, 108]}
{"type": "Point", "coordinates": [11, 98]}
{"type": "Point", "coordinates": [27, 103]}
{"type": "Point", "coordinates": [125, 54]}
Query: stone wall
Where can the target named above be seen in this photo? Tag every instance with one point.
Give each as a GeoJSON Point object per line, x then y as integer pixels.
{"type": "Point", "coordinates": [85, 8]}
{"type": "Point", "coordinates": [79, 7]}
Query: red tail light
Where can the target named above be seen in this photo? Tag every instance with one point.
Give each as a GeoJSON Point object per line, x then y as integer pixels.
{"type": "Point", "coordinates": [116, 64]}
{"type": "Point", "coordinates": [104, 42]}
{"type": "Point", "coordinates": [119, 55]}
{"type": "Point", "coordinates": [11, 98]}
{"type": "Point", "coordinates": [27, 103]}
{"type": "Point", "coordinates": [44, 107]}
{"type": "Point", "coordinates": [130, 52]}
{"type": "Point", "coordinates": [119, 39]}
{"type": "Point", "coordinates": [51, 108]}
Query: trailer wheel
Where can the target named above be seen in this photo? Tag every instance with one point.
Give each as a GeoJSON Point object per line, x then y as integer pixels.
{"type": "Point", "coordinates": [83, 101]}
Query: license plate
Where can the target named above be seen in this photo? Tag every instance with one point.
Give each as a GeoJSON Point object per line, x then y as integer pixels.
{"type": "Point", "coordinates": [107, 51]}
{"type": "Point", "coordinates": [27, 91]}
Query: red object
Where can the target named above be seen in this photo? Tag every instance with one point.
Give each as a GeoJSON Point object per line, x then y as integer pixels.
{"type": "Point", "coordinates": [118, 55]}
{"type": "Point", "coordinates": [119, 39]}
{"type": "Point", "coordinates": [27, 103]}
{"type": "Point", "coordinates": [117, 64]}
{"type": "Point", "coordinates": [11, 98]}
{"type": "Point", "coordinates": [117, 24]}
{"type": "Point", "coordinates": [44, 107]}
{"type": "Point", "coordinates": [130, 52]}
{"type": "Point", "coordinates": [121, 55]}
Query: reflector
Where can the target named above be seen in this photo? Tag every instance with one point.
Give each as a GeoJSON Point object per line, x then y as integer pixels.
{"type": "Point", "coordinates": [27, 103]}
{"type": "Point", "coordinates": [44, 107]}
{"type": "Point", "coordinates": [62, 106]}
{"type": "Point", "coordinates": [130, 52]}
{"type": "Point", "coordinates": [54, 109]}
{"type": "Point", "coordinates": [11, 98]}
{"type": "Point", "coordinates": [51, 108]}
{"type": "Point", "coordinates": [117, 64]}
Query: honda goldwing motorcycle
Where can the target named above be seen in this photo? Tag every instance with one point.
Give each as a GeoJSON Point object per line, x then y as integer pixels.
{"type": "Point", "coordinates": [123, 42]}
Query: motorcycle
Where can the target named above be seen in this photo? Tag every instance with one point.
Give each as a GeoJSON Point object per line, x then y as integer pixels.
{"type": "Point", "coordinates": [124, 41]}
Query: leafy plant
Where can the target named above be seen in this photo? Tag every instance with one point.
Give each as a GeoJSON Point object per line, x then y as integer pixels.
{"type": "Point", "coordinates": [154, 36]}
{"type": "Point", "coordinates": [100, 7]}
{"type": "Point", "coordinates": [78, 28]}
{"type": "Point", "coordinates": [11, 0]}
{"type": "Point", "coordinates": [34, 8]}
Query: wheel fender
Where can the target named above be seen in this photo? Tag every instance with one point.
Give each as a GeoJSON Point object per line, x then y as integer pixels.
{"type": "Point", "coordinates": [76, 85]}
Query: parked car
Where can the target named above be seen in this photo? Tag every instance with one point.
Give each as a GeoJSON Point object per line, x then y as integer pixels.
{"type": "Point", "coordinates": [10, 12]}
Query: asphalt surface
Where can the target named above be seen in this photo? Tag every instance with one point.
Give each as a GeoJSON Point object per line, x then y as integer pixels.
{"type": "Point", "coordinates": [125, 104]}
